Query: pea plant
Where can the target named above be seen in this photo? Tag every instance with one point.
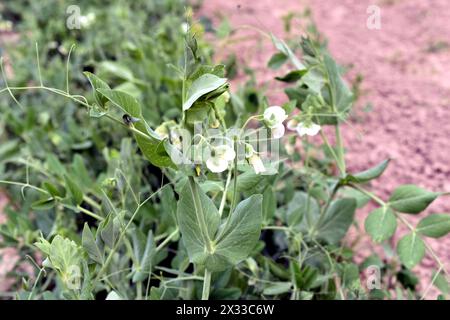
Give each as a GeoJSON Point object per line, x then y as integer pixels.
{"type": "Point", "coordinates": [239, 209]}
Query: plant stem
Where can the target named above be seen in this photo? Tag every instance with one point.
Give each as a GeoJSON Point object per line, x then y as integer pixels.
{"type": "Point", "coordinates": [206, 285]}
{"type": "Point", "coordinates": [224, 196]}
{"type": "Point", "coordinates": [90, 213]}
{"type": "Point", "coordinates": [340, 146]}
{"type": "Point", "coordinates": [333, 153]}
{"type": "Point", "coordinates": [121, 236]}
{"type": "Point", "coordinates": [139, 290]}
{"type": "Point", "coordinates": [167, 240]}
{"type": "Point", "coordinates": [233, 203]}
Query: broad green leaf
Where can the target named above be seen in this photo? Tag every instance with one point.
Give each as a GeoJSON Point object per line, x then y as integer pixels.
{"type": "Point", "coordinates": [289, 106]}
{"type": "Point", "coordinates": [411, 199]}
{"type": "Point", "coordinates": [63, 255]}
{"type": "Point", "coordinates": [277, 288]}
{"type": "Point", "coordinates": [201, 86]}
{"type": "Point", "coordinates": [239, 234]}
{"type": "Point", "coordinates": [80, 172]}
{"type": "Point", "coordinates": [284, 48]}
{"type": "Point", "coordinates": [54, 190]}
{"type": "Point", "coordinates": [441, 282]}
{"type": "Point", "coordinates": [109, 230]}
{"type": "Point", "coordinates": [302, 209]}
{"type": "Point", "coordinates": [195, 212]}
{"type": "Point", "coordinates": [43, 204]}
{"type": "Point", "coordinates": [337, 220]}
{"type": "Point", "coordinates": [142, 267]}
{"type": "Point", "coordinates": [152, 147]}
{"type": "Point", "coordinates": [349, 273]}
{"type": "Point", "coordinates": [370, 174]}
{"type": "Point", "coordinates": [198, 113]}
{"type": "Point", "coordinates": [97, 83]}
{"type": "Point", "coordinates": [411, 250]}
{"type": "Point", "coordinates": [90, 245]}
{"type": "Point", "coordinates": [314, 79]}
{"type": "Point", "coordinates": [381, 224]}
{"type": "Point", "coordinates": [435, 225]}
{"type": "Point", "coordinates": [342, 96]}
{"type": "Point", "coordinates": [74, 190]}
{"type": "Point", "coordinates": [169, 205]}
{"type": "Point", "coordinates": [277, 60]}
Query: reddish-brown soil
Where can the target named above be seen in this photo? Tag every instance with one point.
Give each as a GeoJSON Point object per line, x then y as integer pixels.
{"type": "Point", "coordinates": [404, 66]}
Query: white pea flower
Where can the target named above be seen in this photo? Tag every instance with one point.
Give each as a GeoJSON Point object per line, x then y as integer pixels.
{"type": "Point", "coordinates": [185, 27]}
{"type": "Point", "coordinates": [254, 160]}
{"type": "Point", "coordinates": [273, 118]}
{"type": "Point", "coordinates": [257, 164]}
{"type": "Point", "coordinates": [221, 156]}
{"type": "Point", "coordinates": [310, 129]}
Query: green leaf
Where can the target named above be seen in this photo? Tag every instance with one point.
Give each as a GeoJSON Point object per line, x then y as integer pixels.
{"type": "Point", "coordinates": [289, 106]}
{"type": "Point", "coordinates": [63, 255]}
{"type": "Point", "coordinates": [97, 83]}
{"type": "Point", "coordinates": [195, 212]}
{"type": "Point", "coordinates": [314, 79]}
{"type": "Point", "coordinates": [91, 247]}
{"type": "Point", "coordinates": [343, 97]}
{"type": "Point", "coordinates": [240, 233]}
{"type": "Point", "coordinates": [292, 76]}
{"type": "Point", "coordinates": [411, 250]}
{"type": "Point", "coordinates": [277, 288]}
{"type": "Point", "coordinates": [75, 192]}
{"type": "Point", "coordinates": [199, 222]}
{"type": "Point", "coordinates": [435, 225]}
{"type": "Point", "coordinates": [337, 220]}
{"type": "Point", "coordinates": [411, 199]}
{"type": "Point", "coordinates": [269, 204]}
{"type": "Point", "coordinates": [53, 189]}
{"type": "Point", "coordinates": [142, 267]}
{"type": "Point", "coordinates": [201, 86]}
{"type": "Point", "coordinates": [109, 230]}
{"type": "Point", "coordinates": [441, 282]}
{"type": "Point", "coordinates": [277, 60]}
{"type": "Point", "coordinates": [381, 224]}
{"type": "Point", "coordinates": [284, 48]}
{"type": "Point", "coordinates": [303, 208]}
{"type": "Point", "coordinates": [43, 204]}
{"type": "Point", "coordinates": [370, 174]}
{"type": "Point", "coordinates": [152, 147]}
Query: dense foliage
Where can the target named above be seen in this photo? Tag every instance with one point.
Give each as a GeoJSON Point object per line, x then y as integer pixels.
{"type": "Point", "coordinates": [134, 173]}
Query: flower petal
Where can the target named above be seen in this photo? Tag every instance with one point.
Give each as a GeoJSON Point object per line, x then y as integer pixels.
{"type": "Point", "coordinates": [310, 129]}
{"type": "Point", "coordinates": [274, 115]}
{"type": "Point", "coordinates": [225, 152]}
{"type": "Point", "coordinates": [217, 165]}
{"type": "Point", "coordinates": [278, 131]}
{"type": "Point", "coordinates": [257, 164]}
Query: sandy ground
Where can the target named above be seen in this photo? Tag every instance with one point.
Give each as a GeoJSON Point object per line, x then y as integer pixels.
{"type": "Point", "coordinates": [404, 67]}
